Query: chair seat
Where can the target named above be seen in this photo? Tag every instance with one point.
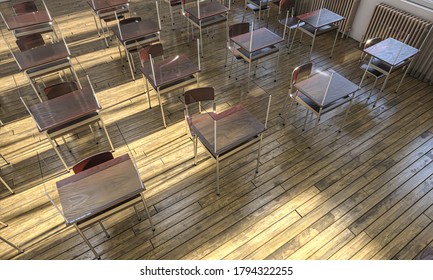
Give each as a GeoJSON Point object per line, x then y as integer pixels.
{"type": "Point", "coordinates": [291, 22]}
{"type": "Point", "coordinates": [207, 21]}
{"type": "Point", "coordinates": [316, 108]}
{"type": "Point", "coordinates": [255, 8]}
{"type": "Point", "coordinates": [174, 84]}
{"type": "Point", "coordinates": [64, 63]}
{"type": "Point", "coordinates": [205, 120]}
{"type": "Point", "coordinates": [71, 123]}
{"type": "Point", "coordinates": [260, 53]}
{"type": "Point", "coordinates": [372, 71]}
{"type": "Point", "coordinates": [175, 2]}
{"type": "Point", "coordinates": [36, 29]}
{"type": "Point", "coordinates": [321, 30]}
{"type": "Point", "coordinates": [132, 46]}
{"type": "Point", "coordinates": [109, 18]}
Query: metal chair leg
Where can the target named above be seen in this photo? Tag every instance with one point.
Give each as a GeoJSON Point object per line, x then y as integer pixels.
{"type": "Point", "coordinates": [259, 152]}
{"type": "Point", "coordinates": [347, 112]}
{"type": "Point", "coordinates": [57, 152]}
{"type": "Point", "coordinates": [195, 149]}
{"type": "Point", "coordinates": [87, 242]}
{"type": "Point", "coordinates": [305, 121]}
{"type": "Point", "coordinates": [162, 109]}
{"type": "Point", "coordinates": [103, 229]}
{"type": "Point", "coordinates": [7, 186]}
{"type": "Point", "coordinates": [11, 244]}
{"type": "Point", "coordinates": [106, 134]}
{"type": "Point", "coordinates": [147, 91]}
{"type": "Point", "coordinates": [218, 175]}
{"type": "Point", "coordinates": [333, 46]}
{"type": "Point", "coordinates": [147, 212]}
{"type": "Point", "coordinates": [402, 78]}
{"type": "Point", "coordinates": [136, 212]}
{"type": "Point", "coordinates": [5, 160]}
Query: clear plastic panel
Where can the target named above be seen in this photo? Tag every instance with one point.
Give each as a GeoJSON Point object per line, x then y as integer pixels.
{"type": "Point", "coordinates": [230, 125]}
{"type": "Point", "coordinates": [201, 9]}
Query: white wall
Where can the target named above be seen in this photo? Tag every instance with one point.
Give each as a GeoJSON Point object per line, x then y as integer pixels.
{"type": "Point", "coordinates": [366, 9]}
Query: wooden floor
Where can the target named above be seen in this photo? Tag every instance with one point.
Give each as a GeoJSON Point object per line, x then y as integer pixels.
{"type": "Point", "coordinates": [364, 193]}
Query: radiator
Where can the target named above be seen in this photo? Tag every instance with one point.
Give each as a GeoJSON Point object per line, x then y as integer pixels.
{"type": "Point", "coordinates": [345, 8]}
{"type": "Point", "coordinates": [388, 21]}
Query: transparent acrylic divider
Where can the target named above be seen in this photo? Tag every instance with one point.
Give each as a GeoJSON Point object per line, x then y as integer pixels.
{"type": "Point", "coordinates": [230, 125]}
{"type": "Point", "coordinates": [402, 46]}
{"type": "Point", "coordinates": [51, 171]}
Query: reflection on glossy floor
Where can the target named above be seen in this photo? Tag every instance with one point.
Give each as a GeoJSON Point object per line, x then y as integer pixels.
{"type": "Point", "coordinates": [365, 193]}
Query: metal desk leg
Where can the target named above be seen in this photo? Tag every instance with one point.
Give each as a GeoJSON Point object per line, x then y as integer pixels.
{"type": "Point", "coordinates": [333, 46]}
{"type": "Point", "coordinates": [57, 152]}
{"type": "Point", "coordinates": [7, 186]}
{"type": "Point", "coordinates": [87, 242]}
{"type": "Point", "coordinates": [11, 244]}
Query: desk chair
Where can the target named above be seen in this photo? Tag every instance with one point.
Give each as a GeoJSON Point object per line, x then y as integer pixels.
{"type": "Point", "coordinates": [92, 162]}
{"type": "Point", "coordinates": [58, 90]}
{"type": "Point", "coordinates": [287, 18]}
{"type": "Point", "coordinates": [33, 41]}
{"type": "Point", "coordinates": [194, 16]}
{"type": "Point", "coordinates": [147, 56]}
{"type": "Point", "coordinates": [203, 127]}
{"type": "Point", "coordinates": [138, 40]}
{"type": "Point", "coordinates": [301, 73]}
{"type": "Point", "coordinates": [63, 129]}
{"type": "Point", "coordinates": [314, 32]}
{"type": "Point", "coordinates": [257, 6]}
{"type": "Point", "coordinates": [130, 46]}
{"type": "Point", "coordinates": [8, 242]}
{"type": "Point", "coordinates": [378, 69]}
{"type": "Point", "coordinates": [171, 4]}
{"type": "Point", "coordinates": [363, 62]}
{"type": "Point", "coordinates": [30, 7]}
{"type": "Point", "coordinates": [108, 15]}
{"type": "Point", "coordinates": [235, 30]}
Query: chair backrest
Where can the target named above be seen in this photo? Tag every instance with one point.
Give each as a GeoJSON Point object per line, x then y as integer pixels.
{"type": "Point", "coordinates": [129, 20]}
{"type": "Point", "coordinates": [28, 42]}
{"type": "Point", "coordinates": [301, 72]}
{"type": "Point", "coordinates": [151, 50]}
{"type": "Point", "coordinates": [60, 89]}
{"type": "Point", "coordinates": [239, 29]}
{"type": "Point", "coordinates": [370, 42]}
{"type": "Point", "coordinates": [92, 161]}
{"type": "Point", "coordinates": [287, 5]}
{"type": "Point", "coordinates": [25, 7]}
{"type": "Point", "coordinates": [199, 94]}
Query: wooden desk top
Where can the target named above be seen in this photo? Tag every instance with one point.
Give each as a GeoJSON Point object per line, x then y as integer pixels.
{"type": "Point", "coordinates": [262, 38]}
{"type": "Point", "coordinates": [136, 30]}
{"type": "Point", "coordinates": [98, 5]}
{"type": "Point", "coordinates": [41, 55]}
{"type": "Point", "coordinates": [26, 20]}
{"type": "Point", "coordinates": [233, 128]}
{"type": "Point", "coordinates": [170, 70]}
{"type": "Point", "coordinates": [320, 18]}
{"type": "Point", "coordinates": [95, 190]}
{"type": "Point", "coordinates": [207, 10]}
{"type": "Point", "coordinates": [64, 109]}
{"type": "Point", "coordinates": [325, 88]}
{"type": "Point", "coordinates": [392, 51]}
